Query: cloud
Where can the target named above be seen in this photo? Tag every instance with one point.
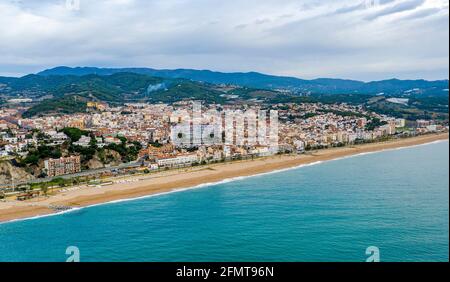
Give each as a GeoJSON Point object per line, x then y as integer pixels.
{"type": "Point", "coordinates": [397, 8]}
{"type": "Point", "coordinates": [304, 38]}
{"type": "Point", "coordinates": [422, 13]}
{"type": "Point", "coordinates": [352, 8]}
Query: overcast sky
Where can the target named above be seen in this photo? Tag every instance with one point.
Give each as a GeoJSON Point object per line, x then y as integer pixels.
{"type": "Point", "coordinates": [304, 38]}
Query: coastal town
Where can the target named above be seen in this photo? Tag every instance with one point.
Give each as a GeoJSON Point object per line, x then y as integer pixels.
{"type": "Point", "coordinates": [224, 140]}
{"type": "Point", "coordinates": [107, 141]}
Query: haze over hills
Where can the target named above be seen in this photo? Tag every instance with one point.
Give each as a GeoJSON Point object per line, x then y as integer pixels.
{"type": "Point", "coordinates": [259, 80]}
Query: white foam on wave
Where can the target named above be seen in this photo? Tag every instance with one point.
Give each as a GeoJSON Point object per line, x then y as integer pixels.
{"type": "Point", "coordinates": [224, 181]}
{"type": "Point", "coordinates": [43, 216]}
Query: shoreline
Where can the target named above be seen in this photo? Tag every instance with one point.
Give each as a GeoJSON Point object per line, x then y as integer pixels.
{"type": "Point", "coordinates": [136, 187]}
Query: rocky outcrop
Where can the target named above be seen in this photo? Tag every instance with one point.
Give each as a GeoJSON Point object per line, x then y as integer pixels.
{"type": "Point", "coordinates": [95, 163]}
{"type": "Point", "coordinates": [106, 158]}
{"type": "Point", "coordinates": [111, 157]}
{"type": "Point", "coordinates": [10, 173]}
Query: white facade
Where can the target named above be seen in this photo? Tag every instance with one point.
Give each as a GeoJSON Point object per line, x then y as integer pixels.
{"type": "Point", "coordinates": [83, 142]}
{"type": "Point", "coordinates": [181, 160]}
{"type": "Point", "coordinates": [400, 122]}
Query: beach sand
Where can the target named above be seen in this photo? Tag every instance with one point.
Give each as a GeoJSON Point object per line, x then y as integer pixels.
{"type": "Point", "coordinates": [138, 186]}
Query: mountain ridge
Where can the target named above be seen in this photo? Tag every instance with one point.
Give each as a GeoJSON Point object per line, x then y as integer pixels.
{"type": "Point", "coordinates": [68, 93]}
{"type": "Point", "coordinates": [264, 81]}
{"type": "Point", "coordinates": [89, 70]}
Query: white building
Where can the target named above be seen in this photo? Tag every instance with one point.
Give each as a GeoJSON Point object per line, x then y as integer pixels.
{"type": "Point", "coordinates": [58, 138]}
{"type": "Point", "coordinates": [400, 122]}
{"type": "Point", "coordinates": [432, 128]}
{"type": "Point", "coordinates": [178, 161]}
{"type": "Point", "coordinates": [83, 142]}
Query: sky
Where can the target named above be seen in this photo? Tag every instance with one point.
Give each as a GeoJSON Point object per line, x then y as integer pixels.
{"type": "Point", "coordinates": [353, 39]}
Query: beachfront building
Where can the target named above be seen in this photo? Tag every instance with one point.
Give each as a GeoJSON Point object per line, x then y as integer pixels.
{"type": "Point", "coordinates": [61, 166]}
{"type": "Point", "coordinates": [261, 151]}
{"type": "Point", "coordinates": [180, 160]}
{"type": "Point", "coordinates": [400, 122]}
{"type": "Point", "coordinates": [423, 123]}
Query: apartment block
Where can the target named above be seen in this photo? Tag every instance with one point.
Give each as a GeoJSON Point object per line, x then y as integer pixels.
{"type": "Point", "coordinates": [62, 166]}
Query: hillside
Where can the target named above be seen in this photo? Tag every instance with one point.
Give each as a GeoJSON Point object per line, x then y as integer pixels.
{"type": "Point", "coordinates": [258, 80]}
{"type": "Point", "coordinates": [67, 94]}
{"type": "Point", "coordinates": [11, 174]}
{"type": "Point", "coordinates": [66, 90]}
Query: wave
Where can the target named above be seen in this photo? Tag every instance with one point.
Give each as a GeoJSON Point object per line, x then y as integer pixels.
{"type": "Point", "coordinates": [224, 181]}
{"type": "Point", "coordinates": [44, 215]}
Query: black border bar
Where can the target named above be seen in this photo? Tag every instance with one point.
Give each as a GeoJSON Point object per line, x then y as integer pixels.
{"type": "Point", "coordinates": [236, 271]}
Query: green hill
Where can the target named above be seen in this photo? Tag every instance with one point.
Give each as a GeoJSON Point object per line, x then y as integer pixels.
{"type": "Point", "coordinates": [264, 81]}
{"type": "Point", "coordinates": [70, 94]}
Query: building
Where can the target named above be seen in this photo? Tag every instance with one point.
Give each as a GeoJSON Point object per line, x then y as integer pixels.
{"type": "Point", "coordinates": [262, 151]}
{"type": "Point", "coordinates": [61, 166]}
{"type": "Point", "coordinates": [18, 101]}
{"type": "Point", "coordinates": [423, 123]}
{"type": "Point", "coordinates": [361, 122]}
{"type": "Point", "coordinates": [76, 123]}
{"type": "Point", "coordinates": [178, 160]}
{"type": "Point", "coordinates": [163, 151]}
{"type": "Point", "coordinates": [97, 106]}
{"type": "Point", "coordinates": [400, 123]}
{"type": "Point", "coordinates": [111, 140]}
{"type": "Point", "coordinates": [58, 138]}
{"type": "Point", "coordinates": [83, 142]}
{"type": "Point", "coordinates": [432, 128]}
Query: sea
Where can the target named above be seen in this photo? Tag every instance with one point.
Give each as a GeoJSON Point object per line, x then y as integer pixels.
{"type": "Point", "coordinates": [392, 204]}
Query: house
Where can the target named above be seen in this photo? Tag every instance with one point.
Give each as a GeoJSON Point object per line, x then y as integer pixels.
{"type": "Point", "coordinates": [83, 142]}
{"type": "Point", "coordinates": [58, 138]}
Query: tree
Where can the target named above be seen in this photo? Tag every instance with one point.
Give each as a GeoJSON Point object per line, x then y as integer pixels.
{"type": "Point", "coordinates": [74, 133]}
{"type": "Point", "coordinates": [44, 188]}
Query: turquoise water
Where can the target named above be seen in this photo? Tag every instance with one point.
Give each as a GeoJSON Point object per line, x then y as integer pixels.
{"type": "Point", "coordinates": [395, 200]}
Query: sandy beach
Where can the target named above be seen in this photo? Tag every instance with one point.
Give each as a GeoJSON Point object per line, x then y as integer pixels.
{"type": "Point", "coordinates": [138, 186]}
